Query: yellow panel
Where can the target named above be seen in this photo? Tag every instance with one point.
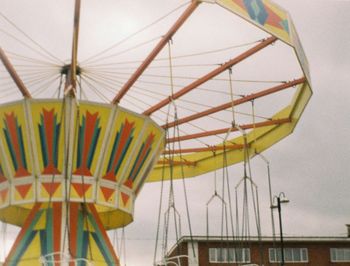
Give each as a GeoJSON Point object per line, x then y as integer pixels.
{"type": "Point", "coordinates": [4, 194]}
{"type": "Point", "coordinates": [300, 100]}
{"type": "Point", "coordinates": [23, 190]}
{"type": "Point", "coordinates": [299, 50]}
{"type": "Point", "coordinates": [96, 117]}
{"type": "Point", "coordinates": [115, 219]}
{"type": "Point", "coordinates": [82, 192]}
{"type": "Point", "coordinates": [55, 188]}
{"type": "Point", "coordinates": [32, 254]}
{"type": "Point", "coordinates": [4, 172]}
{"type": "Point", "coordinates": [96, 257]}
{"type": "Point", "coordinates": [263, 13]}
{"type": "Point", "coordinates": [265, 138]}
{"type": "Point", "coordinates": [142, 156]}
{"type": "Point", "coordinates": [88, 227]}
{"type": "Point", "coordinates": [17, 153]}
{"type": "Point", "coordinates": [106, 194]}
{"type": "Point", "coordinates": [14, 215]}
{"type": "Point", "coordinates": [100, 263]}
{"type": "Point", "coordinates": [206, 162]}
{"type": "Point", "coordinates": [31, 262]}
{"type": "Point", "coordinates": [43, 133]}
{"type": "Point", "coordinates": [127, 121]}
{"type": "Point", "coordinates": [48, 122]}
{"type": "Point", "coordinates": [41, 223]}
{"type": "Point", "coordinates": [125, 201]}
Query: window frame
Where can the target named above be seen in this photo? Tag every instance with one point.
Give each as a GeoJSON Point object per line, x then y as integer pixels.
{"type": "Point", "coordinates": [276, 259]}
{"type": "Point", "coordinates": [336, 254]}
{"type": "Point", "coordinates": [214, 255]}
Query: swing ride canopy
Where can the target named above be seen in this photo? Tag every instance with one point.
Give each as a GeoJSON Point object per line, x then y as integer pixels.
{"type": "Point", "coordinates": [72, 149]}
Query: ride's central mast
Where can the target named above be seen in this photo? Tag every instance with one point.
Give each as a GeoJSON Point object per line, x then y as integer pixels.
{"type": "Point", "coordinates": [71, 80]}
{"type": "Point", "coordinates": [70, 91]}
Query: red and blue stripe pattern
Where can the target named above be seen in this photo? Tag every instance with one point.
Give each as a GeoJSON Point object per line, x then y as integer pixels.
{"type": "Point", "coordinates": [88, 136]}
{"type": "Point", "coordinates": [85, 228]}
{"type": "Point", "coordinates": [262, 14]}
{"type": "Point", "coordinates": [4, 191]}
{"type": "Point", "coordinates": [141, 158]}
{"type": "Point", "coordinates": [14, 140]}
{"type": "Point", "coordinates": [42, 233]}
{"type": "Point", "coordinates": [49, 131]}
{"type": "Point", "coordinates": [121, 144]}
{"type": "Point", "coordinates": [45, 223]}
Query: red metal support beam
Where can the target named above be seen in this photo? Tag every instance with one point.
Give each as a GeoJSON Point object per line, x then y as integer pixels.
{"type": "Point", "coordinates": [210, 148]}
{"type": "Point", "coordinates": [242, 100]}
{"type": "Point", "coordinates": [155, 51]}
{"type": "Point", "coordinates": [211, 75]}
{"type": "Point", "coordinates": [15, 77]}
{"type": "Point", "coordinates": [225, 130]}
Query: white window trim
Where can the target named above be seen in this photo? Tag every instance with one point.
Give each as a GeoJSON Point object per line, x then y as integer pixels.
{"type": "Point", "coordinates": [226, 251]}
{"type": "Point", "coordinates": [337, 260]}
{"type": "Point", "coordinates": [290, 261]}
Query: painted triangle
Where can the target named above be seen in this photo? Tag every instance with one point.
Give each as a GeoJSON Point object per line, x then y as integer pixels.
{"type": "Point", "coordinates": [83, 171]}
{"type": "Point", "coordinates": [3, 194]}
{"type": "Point", "coordinates": [23, 189]}
{"type": "Point", "coordinates": [51, 187]}
{"type": "Point", "coordinates": [51, 170]}
{"type": "Point", "coordinates": [273, 18]}
{"type": "Point", "coordinates": [110, 176]}
{"type": "Point", "coordinates": [128, 183]}
{"type": "Point", "coordinates": [22, 172]}
{"type": "Point", "coordinates": [240, 3]}
{"type": "Point", "coordinates": [107, 192]}
{"type": "Point", "coordinates": [81, 188]}
{"type": "Point", "coordinates": [125, 198]}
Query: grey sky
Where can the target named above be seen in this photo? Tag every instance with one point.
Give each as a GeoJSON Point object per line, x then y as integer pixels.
{"type": "Point", "coordinates": [311, 166]}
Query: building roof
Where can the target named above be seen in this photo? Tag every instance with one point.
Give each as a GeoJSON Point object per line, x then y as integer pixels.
{"type": "Point", "coordinates": [265, 239]}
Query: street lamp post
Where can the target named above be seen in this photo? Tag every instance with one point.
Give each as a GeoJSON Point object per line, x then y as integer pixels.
{"type": "Point", "coordinates": [281, 198]}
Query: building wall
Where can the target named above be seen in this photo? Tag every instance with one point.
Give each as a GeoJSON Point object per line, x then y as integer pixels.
{"type": "Point", "coordinates": [318, 252]}
{"type": "Point", "coordinates": [181, 249]}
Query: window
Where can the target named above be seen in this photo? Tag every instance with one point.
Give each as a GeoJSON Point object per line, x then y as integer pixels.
{"type": "Point", "coordinates": [340, 254]}
{"type": "Point", "coordinates": [227, 255]}
{"type": "Point", "coordinates": [290, 255]}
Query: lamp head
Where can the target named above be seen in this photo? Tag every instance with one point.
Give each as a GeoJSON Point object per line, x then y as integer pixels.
{"type": "Point", "coordinates": [284, 200]}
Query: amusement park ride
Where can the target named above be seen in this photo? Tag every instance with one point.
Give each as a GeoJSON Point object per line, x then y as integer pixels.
{"type": "Point", "coordinates": [71, 168]}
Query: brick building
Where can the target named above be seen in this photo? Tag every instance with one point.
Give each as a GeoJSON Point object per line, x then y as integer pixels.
{"type": "Point", "coordinates": [215, 251]}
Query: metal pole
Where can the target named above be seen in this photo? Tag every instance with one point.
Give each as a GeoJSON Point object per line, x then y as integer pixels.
{"type": "Point", "coordinates": [281, 231]}
{"type": "Point", "coordinates": [271, 202]}
{"type": "Point", "coordinates": [14, 75]}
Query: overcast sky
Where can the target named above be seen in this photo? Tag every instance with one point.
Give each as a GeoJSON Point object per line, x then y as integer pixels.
{"type": "Point", "coordinates": [312, 166]}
